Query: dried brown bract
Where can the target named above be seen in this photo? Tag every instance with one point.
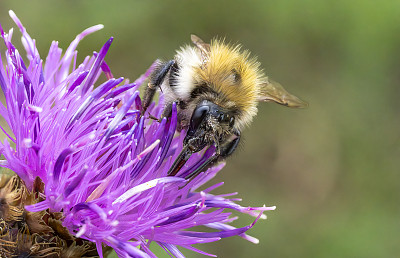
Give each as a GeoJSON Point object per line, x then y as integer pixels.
{"type": "Point", "coordinates": [34, 234]}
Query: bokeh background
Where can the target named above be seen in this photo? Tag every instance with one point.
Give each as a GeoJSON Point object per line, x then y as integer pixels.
{"type": "Point", "coordinates": [332, 170]}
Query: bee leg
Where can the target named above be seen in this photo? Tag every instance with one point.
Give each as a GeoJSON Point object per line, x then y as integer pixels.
{"type": "Point", "coordinates": [148, 97]}
{"type": "Point", "coordinates": [155, 118]}
{"type": "Point", "coordinates": [157, 78]}
{"type": "Point", "coordinates": [222, 153]}
{"type": "Point", "coordinates": [180, 161]}
{"type": "Point", "coordinates": [230, 146]}
{"type": "Point", "coordinates": [167, 112]}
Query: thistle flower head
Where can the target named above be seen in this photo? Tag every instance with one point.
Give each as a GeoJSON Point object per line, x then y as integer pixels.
{"type": "Point", "coordinates": [103, 165]}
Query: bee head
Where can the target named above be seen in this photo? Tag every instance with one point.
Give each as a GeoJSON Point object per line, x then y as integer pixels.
{"type": "Point", "coordinates": [209, 125]}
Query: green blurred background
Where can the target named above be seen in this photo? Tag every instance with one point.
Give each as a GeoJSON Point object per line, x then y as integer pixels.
{"type": "Point", "coordinates": [332, 169]}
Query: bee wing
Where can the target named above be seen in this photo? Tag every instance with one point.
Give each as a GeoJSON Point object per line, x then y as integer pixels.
{"type": "Point", "coordinates": [273, 91]}
{"type": "Point", "coordinates": [204, 47]}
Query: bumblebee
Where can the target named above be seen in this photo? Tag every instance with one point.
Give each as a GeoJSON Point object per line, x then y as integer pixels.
{"type": "Point", "coordinates": [216, 88]}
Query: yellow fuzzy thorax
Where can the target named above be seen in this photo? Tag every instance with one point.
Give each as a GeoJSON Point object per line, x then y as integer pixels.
{"type": "Point", "coordinates": [234, 76]}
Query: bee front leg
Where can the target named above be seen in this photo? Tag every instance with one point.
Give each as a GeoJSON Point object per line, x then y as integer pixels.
{"type": "Point", "coordinates": [167, 112]}
{"type": "Point", "coordinates": [223, 151]}
{"type": "Point", "coordinates": [156, 79]}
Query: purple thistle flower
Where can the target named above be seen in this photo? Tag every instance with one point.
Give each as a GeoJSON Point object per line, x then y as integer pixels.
{"type": "Point", "coordinates": [103, 165]}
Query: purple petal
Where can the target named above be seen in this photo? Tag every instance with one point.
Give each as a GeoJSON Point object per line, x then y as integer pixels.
{"type": "Point", "coordinates": [3, 83]}
{"type": "Point", "coordinates": [4, 131]}
{"type": "Point", "coordinates": [95, 68]}
{"type": "Point", "coordinates": [29, 43]}
{"type": "Point", "coordinates": [146, 186]}
{"type": "Point", "coordinates": [38, 206]}
{"type": "Point", "coordinates": [60, 162]}
{"type": "Point", "coordinates": [75, 183]}
{"type": "Point", "coordinates": [172, 249]}
{"type": "Point", "coordinates": [105, 68]}
{"type": "Point", "coordinates": [120, 114]}
{"type": "Point", "coordinates": [96, 94]}
{"type": "Point", "coordinates": [78, 81]}
{"type": "Point", "coordinates": [197, 250]}
{"type": "Point", "coordinates": [65, 63]}
{"type": "Point", "coordinates": [183, 214]}
{"type": "Point", "coordinates": [120, 90]}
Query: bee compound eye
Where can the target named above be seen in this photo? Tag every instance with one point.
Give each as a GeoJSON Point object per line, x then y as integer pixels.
{"type": "Point", "coordinates": [198, 116]}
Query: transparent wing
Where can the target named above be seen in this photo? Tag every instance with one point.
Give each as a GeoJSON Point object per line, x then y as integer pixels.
{"type": "Point", "coordinates": [273, 91]}
{"type": "Point", "coordinates": [204, 47]}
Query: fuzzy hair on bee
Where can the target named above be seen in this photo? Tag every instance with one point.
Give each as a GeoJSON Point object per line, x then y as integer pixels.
{"type": "Point", "coordinates": [232, 77]}
{"type": "Point", "coordinates": [217, 88]}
